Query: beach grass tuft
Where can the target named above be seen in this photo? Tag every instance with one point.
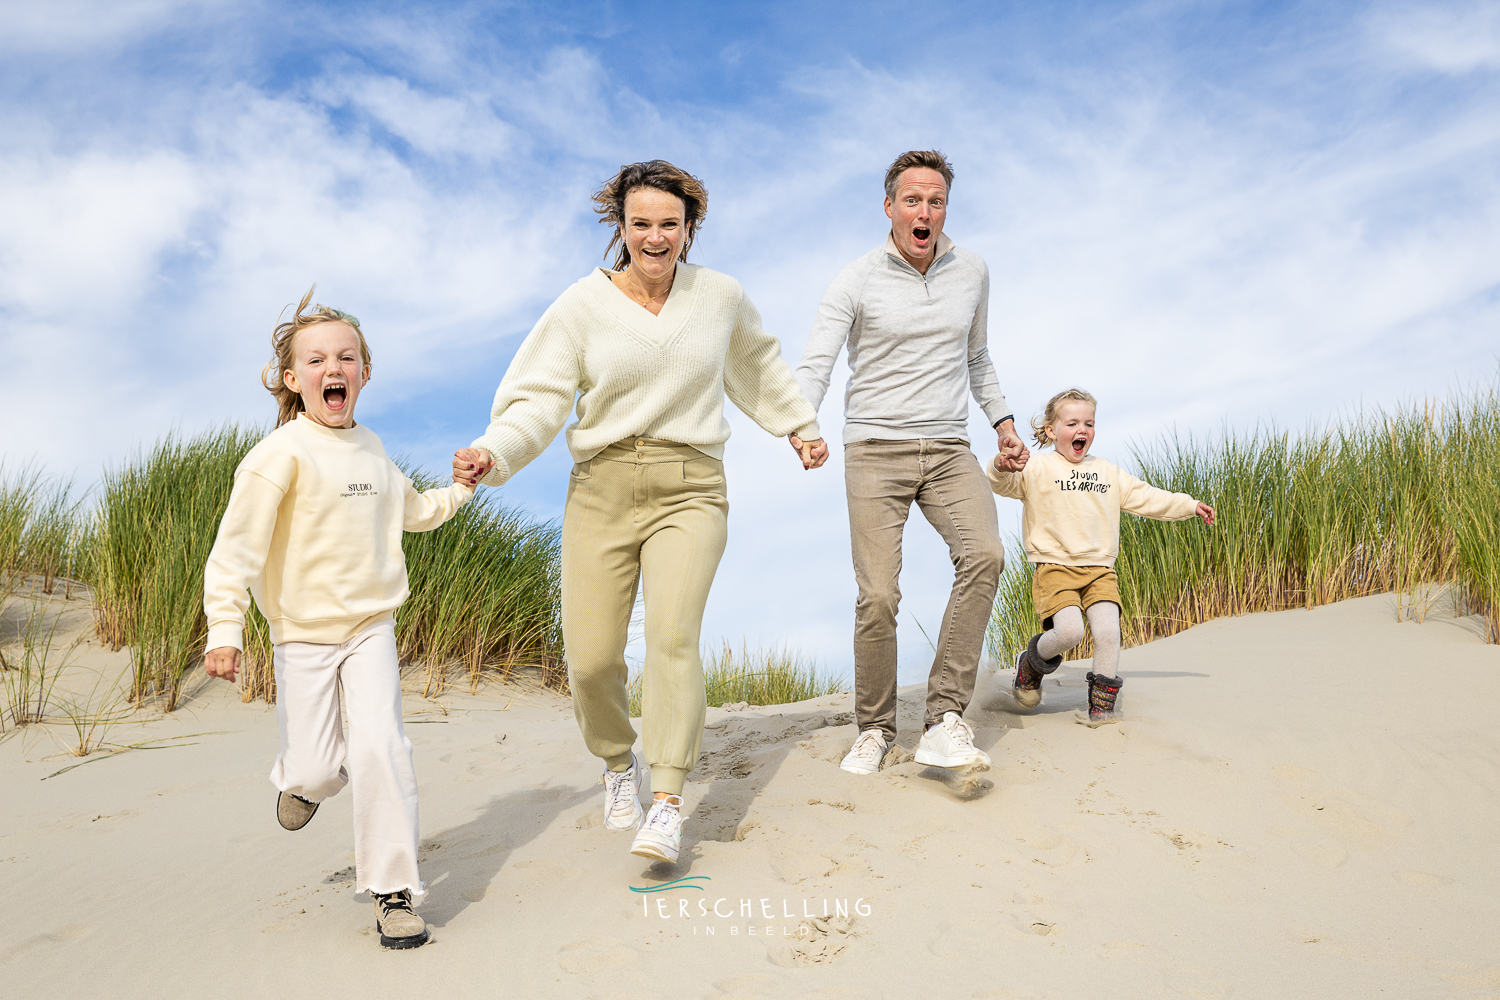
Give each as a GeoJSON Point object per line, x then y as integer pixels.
{"type": "Point", "coordinates": [1387, 502]}
{"type": "Point", "coordinates": [156, 523]}
{"type": "Point", "coordinates": [485, 595]}
{"type": "Point", "coordinates": [774, 675]}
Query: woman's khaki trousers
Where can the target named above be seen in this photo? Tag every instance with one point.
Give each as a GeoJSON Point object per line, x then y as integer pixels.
{"type": "Point", "coordinates": [656, 514]}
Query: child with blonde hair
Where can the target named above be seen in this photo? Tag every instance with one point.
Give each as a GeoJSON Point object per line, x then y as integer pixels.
{"type": "Point", "coordinates": [1071, 529]}
{"type": "Point", "coordinates": [313, 530]}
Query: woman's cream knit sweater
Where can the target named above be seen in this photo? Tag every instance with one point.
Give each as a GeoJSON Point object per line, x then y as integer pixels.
{"type": "Point", "coordinates": [638, 375]}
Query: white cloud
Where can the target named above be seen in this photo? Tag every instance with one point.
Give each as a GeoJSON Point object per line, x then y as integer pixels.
{"type": "Point", "coordinates": [69, 26]}
{"type": "Point", "coordinates": [1448, 38]}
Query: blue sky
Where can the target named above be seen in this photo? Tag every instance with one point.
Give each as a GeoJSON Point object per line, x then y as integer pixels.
{"type": "Point", "coordinates": [1210, 214]}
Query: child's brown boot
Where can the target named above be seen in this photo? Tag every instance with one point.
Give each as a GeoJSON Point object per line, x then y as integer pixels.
{"type": "Point", "coordinates": [1102, 692]}
{"type": "Point", "coordinates": [1030, 669]}
{"type": "Point", "coordinates": [398, 923]}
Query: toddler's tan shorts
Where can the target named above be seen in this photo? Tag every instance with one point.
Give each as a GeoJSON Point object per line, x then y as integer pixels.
{"type": "Point", "coordinates": [1055, 587]}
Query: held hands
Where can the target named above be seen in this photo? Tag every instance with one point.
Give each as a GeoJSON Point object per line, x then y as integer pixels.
{"type": "Point", "coordinates": [470, 465]}
{"type": "Point", "coordinates": [1206, 512]}
{"type": "Point", "coordinates": [222, 662]}
{"type": "Point", "coordinates": [812, 453]}
{"type": "Point", "coordinates": [1013, 451]}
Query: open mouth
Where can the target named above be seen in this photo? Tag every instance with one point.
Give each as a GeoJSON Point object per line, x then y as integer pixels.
{"type": "Point", "coordinates": [920, 234]}
{"type": "Point", "coordinates": [655, 254]}
{"type": "Point", "coordinates": [1079, 444]}
{"type": "Point", "coordinates": [334, 396]}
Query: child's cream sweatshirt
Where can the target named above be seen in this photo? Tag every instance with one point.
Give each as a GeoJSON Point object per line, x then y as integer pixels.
{"type": "Point", "coordinates": [638, 375]}
{"type": "Point", "coordinates": [313, 530]}
{"type": "Point", "coordinates": [1072, 514]}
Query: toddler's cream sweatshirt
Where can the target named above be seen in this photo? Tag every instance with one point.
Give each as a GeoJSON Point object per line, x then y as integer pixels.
{"type": "Point", "coordinates": [313, 530]}
{"type": "Point", "coordinates": [638, 375]}
{"type": "Point", "coordinates": [1072, 514]}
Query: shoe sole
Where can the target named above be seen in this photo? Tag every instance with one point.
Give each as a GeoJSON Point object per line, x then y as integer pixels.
{"type": "Point", "coordinates": [858, 770]}
{"type": "Point", "coordinates": [654, 851]}
{"type": "Point", "coordinates": [1083, 718]}
{"type": "Point", "coordinates": [402, 943]}
{"type": "Point", "coordinates": [282, 820]}
{"type": "Point", "coordinates": [931, 759]}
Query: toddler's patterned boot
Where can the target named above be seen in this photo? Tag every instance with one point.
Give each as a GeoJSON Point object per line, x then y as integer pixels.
{"type": "Point", "coordinates": [1030, 669]}
{"type": "Point", "coordinates": [1102, 693]}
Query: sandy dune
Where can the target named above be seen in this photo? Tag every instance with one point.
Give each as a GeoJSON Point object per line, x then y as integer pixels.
{"type": "Point", "coordinates": [1301, 804]}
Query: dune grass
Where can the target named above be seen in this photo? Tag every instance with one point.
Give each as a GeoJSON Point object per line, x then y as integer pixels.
{"type": "Point", "coordinates": [484, 595]}
{"type": "Point", "coordinates": [156, 522]}
{"type": "Point", "coordinates": [776, 675]}
{"type": "Point", "coordinates": [1389, 502]}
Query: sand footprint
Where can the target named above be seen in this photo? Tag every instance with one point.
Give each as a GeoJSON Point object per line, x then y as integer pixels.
{"type": "Point", "coordinates": [595, 955]}
{"type": "Point", "coordinates": [818, 941]}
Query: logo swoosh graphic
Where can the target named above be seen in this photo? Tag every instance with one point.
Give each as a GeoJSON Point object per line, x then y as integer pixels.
{"type": "Point", "coordinates": [691, 882]}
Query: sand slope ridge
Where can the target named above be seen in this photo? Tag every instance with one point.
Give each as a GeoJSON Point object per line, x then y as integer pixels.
{"type": "Point", "coordinates": [1298, 804]}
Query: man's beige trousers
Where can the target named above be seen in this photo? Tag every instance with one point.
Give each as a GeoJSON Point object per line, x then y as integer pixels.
{"type": "Point", "coordinates": [654, 513]}
{"type": "Point", "coordinates": [941, 475]}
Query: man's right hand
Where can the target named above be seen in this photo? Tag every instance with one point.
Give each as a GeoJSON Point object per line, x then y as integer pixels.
{"type": "Point", "coordinates": [223, 662]}
{"type": "Point", "coordinates": [470, 465]}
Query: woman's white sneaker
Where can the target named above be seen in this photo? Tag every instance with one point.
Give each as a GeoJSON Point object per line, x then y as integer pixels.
{"type": "Point", "coordinates": [950, 743]}
{"type": "Point", "coordinates": [622, 802]}
{"type": "Point", "coordinates": [867, 753]}
{"type": "Point", "coordinates": [661, 838]}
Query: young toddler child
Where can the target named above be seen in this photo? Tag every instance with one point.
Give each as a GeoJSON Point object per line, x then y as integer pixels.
{"type": "Point", "coordinates": [1071, 529]}
{"type": "Point", "coordinates": [313, 530]}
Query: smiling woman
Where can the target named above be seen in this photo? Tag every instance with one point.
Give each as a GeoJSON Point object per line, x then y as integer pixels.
{"type": "Point", "coordinates": [648, 350]}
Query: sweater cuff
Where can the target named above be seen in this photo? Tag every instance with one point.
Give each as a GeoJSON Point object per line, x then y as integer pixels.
{"type": "Point", "coordinates": [226, 634]}
{"type": "Point", "coordinates": [809, 432]}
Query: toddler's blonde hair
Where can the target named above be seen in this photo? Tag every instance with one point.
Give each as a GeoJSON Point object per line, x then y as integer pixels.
{"type": "Point", "coordinates": [272, 376]}
{"type": "Point", "coordinates": [1048, 417]}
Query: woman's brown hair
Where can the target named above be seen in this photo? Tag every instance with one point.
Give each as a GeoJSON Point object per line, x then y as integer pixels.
{"type": "Point", "coordinates": [1040, 424]}
{"type": "Point", "coordinates": [273, 375]}
{"type": "Point", "coordinates": [609, 201]}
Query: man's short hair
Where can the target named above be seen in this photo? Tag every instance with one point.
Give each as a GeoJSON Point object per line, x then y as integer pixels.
{"type": "Point", "coordinates": [929, 158]}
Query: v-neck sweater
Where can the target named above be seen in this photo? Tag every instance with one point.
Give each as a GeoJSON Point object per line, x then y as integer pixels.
{"type": "Point", "coordinates": [638, 375]}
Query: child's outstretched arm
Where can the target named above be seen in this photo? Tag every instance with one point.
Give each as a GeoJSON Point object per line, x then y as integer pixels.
{"type": "Point", "coordinates": [1140, 497]}
{"type": "Point", "coordinates": [237, 558]}
{"type": "Point", "coordinates": [1005, 476]}
{"type": "Point", "coordinates": [427, 509]}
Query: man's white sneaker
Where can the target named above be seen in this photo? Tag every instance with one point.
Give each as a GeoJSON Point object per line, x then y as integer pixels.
{"type": "Point", "coordinates": [661, 837]}
{"type": "Point", "coordinates": [868, 752]}
{"type": "Point", "coordinates": [622, 803]}
{"type": "Point", "coordinates": [950, 743]}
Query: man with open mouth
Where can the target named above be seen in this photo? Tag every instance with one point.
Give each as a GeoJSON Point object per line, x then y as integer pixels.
{"type": "Point", "coordinates": [913, 314]}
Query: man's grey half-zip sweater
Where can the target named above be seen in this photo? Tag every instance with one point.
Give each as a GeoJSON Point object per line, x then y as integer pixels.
{"type": "Point", "coordinates": [918, 345]}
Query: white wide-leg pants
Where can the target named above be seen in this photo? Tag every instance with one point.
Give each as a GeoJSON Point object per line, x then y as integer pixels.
{"type": "Point", "coordinates": [315, 762]}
